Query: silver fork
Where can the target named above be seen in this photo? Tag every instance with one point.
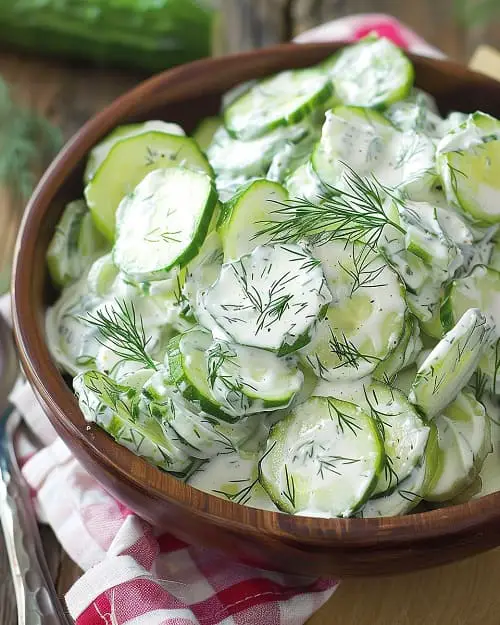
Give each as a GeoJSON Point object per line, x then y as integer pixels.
{"type": "Point", "coordinates": [36, 598]}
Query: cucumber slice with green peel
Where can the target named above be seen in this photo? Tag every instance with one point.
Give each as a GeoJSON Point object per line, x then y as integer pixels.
{"type": "Point", "coordinates": [229, 380]}
{"type": "Point", "coordinates": [468, 159]}
{"type": "Point", "coordinates": [206, 435]}
{"type": "Point", "coordinates": [233, 476]}
{"type": "Point", "coordinates": [201, 272]}
{"type": "Point", "coordinates": [102, 274]}
{"type": "Point", "coordinates": [246, 215]}
{"type": "Point", "coordinates": [323, 459]}
{"type": "Point", "coordinates": [74, 245]}
{"type": "Point", "coordinates": [288, 158]}
{"type": "Point", "coordinates": [271, 298]}
{"type": "Point", "coordinates": [133, 378]}
{"type": "Point", "coordinates": [72, 342]}
{"type": "Point", "coordinates": [416, 113]}
{"type": "Point", "coordinates": [372, 73]}
{"type": "Point", "coordinates": [238, 374]}
{"type": "Point", "coordinates": [404, 354]}
{"type": "Point", "coordinates": [236, 159]}
{"type": "Point", "coordinates": [280, 100]}
{"type": "Point", "coordinates": [116, 409]}
{"type": "Point", "coordinates": [304, 184]}
{"type": "Point", "coordinates": [402, 430]}
{"type": "Point", "coordinates": [373, 147]}
{"type": "Point", "coordinates": [366, 319]}
{"type": "Point", "coordinates": [409, 493]}
{"type": "Point", "coordinates": [99, 153]}
{"type": "Point", "coordinates": [128, 162]}
{"type": "Point", "coordinates": [464, 441]}
{"type": "Point", "coordinates": [426, 239]}
{"type": "Point", "coordinates": [348, 132]}
{"type": "Point", "coordinates": [424, 302]}
{"type": "Point", "coordinates": [205, 131]}
{"type": "Point", "coordinates": [159, 227]}
{"type": "Point", "coordinates": [450, 365]}
{"type": "Point", "coordinates": [187, 369]}
{"type": "Point", "coordinates": [480, 289]}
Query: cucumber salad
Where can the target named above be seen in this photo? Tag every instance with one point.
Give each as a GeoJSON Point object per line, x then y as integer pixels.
{"type": "Point", "coordinates": [298, 307]}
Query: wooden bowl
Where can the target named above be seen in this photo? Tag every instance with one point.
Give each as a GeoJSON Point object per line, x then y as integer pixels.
{"type": "Point", "coordinates": [272, 540]}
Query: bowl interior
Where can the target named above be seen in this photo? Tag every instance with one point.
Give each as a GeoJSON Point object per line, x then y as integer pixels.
{"type": "Point", "coordinates": [186, 95]}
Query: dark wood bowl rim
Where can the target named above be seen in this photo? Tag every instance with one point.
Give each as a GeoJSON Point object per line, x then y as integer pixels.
{"type": "Point", "coordinates": [58, 399]}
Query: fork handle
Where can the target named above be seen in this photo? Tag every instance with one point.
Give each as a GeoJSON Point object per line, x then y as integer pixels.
{"type": "Point", "coordinates": [37, 602]}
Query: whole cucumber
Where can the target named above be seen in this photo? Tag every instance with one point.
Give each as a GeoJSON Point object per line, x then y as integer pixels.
{"type": "Point", "coordinates": [144, 34]}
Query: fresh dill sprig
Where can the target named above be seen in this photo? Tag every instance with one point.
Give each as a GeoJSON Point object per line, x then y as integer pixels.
{"type": "Point", "coordinates": [271, 306]}
{"type": "Point", "coordinates": [355, 213]}
{"type": "Point", "coordinates": [122, 330]}
{"type": "Point", "coordinates": [363, 273]}
{"type": "Point", "coordinates": [156, 235]}
{"type": "Point", "coordinates": [479, 384]}
{"type": "Point", "coordinates": [343, 420]}
{"type": "Point", "coordinates": [243, 495]}
{"type": "Point", "coordinates": [28, 142]}
{"type": "Point", "coordinates": [347, 353]}
{"type": "Point", "coordinates": [289, 493]}
{"type": "Point", "coordinates": [119, 398]}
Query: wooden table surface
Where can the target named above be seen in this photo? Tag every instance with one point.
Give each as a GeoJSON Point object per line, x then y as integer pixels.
{"type": "Point", "coordinates": [466, 593]}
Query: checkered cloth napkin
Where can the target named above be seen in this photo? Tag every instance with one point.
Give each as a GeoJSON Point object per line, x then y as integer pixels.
{"type": "Point", "coordinates": [135, 575]}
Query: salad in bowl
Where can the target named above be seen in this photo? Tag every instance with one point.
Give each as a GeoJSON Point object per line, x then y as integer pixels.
{"type": "Point", "coordinates": [298, 307]}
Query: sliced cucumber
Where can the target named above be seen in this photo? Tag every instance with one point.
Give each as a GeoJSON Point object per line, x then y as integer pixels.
{"type": "Point", "coordinates": [127, 164]}
{"type": "Point", "coordinates": [373, 147]}
{"type": "Point", "coordinates": [117, 410]}
{"type": "Point", "coordinates": [349, 133]}
{"type": "Point", "coordinates": [238, 374]}
{"type": "Point", "coordinates": [468, 160]}
{"type": "Point", "coordinates": [288, 158]}
{"type": "Point", "coordinates": [480, 289]}
{"type": "Point", "coordinates": [366, 318]}
{"type": "Point", "coordinates": [403, 433]}
{"type": "Point", "coordinates": [280, 100]}
{"type": "Point", "coordinates": [206, 435]}
{"type": "Point", "coordinates": [99, 153]}
{"type": "Point", "coordinates": [205, 131]}
{"type": "Point", "coordinates": [229, 380]}
{"type": "Point", "coordinates": [323, 459]}
{"type": "Point", "coordinates": [160, 226]}
{"type": "Point", "coordinates": [201, 272]}
{"type": "Point", "coordinates": [409, 493]}
{"type": "Point", "coordinates": [303, 183]}
{"type": "Point", "coordinates": [404, 354]}
{"type": "Point", "coordinates": [233, 158]}
{"type": "Point", "coordinates": [75, 244]}
{"type": "Point", "coordinates": [425, 238]}
{"type": "Point", "coordinates": [450, 365]}
{"type": "Point", "coordinates": [418, 113]}
{"type": "Point", "coordinates": [72, 342]}
{"type": "Point", "coordinates": [271, 298]}
{"type": "Point", "coordinates": [102, 274]}
{"type": "Point", "coordinates": [234, 477]}
{"type": "Point", "coordinates": [246, 215]}
{"type": "Point", "coordinates": [372, 73]}
{"type": "Point", "coordinates": [464, 440]}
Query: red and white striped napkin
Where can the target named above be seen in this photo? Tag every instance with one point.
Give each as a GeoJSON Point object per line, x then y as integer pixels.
{"type": "Point", "coordinates": [135, 575]}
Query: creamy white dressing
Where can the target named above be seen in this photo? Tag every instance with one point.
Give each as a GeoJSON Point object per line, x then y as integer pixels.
{"type": "Point", "coordinates": [275, 299]}
{"type": "Point", "coordinates": [270, 299]}
{"type": "Point", "coordinates": [396, 159]}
